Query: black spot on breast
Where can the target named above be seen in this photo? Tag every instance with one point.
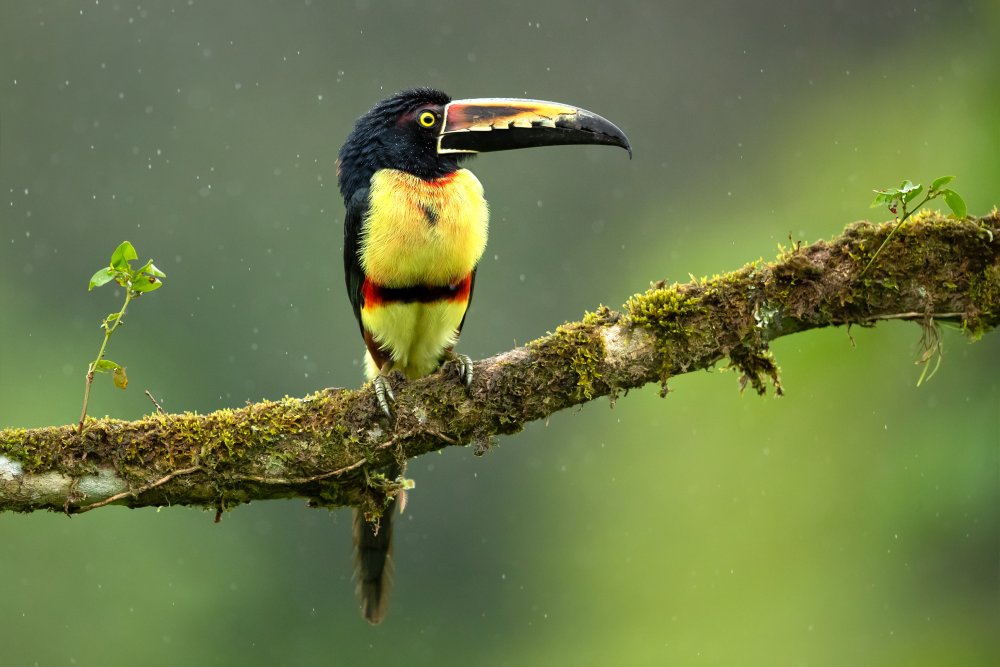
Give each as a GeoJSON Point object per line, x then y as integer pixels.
{"type": "Point", "coordinates": [430, 213]}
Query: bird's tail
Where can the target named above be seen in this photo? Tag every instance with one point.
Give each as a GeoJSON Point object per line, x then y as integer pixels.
{"type": "Point", "coordinates": [373, 558]}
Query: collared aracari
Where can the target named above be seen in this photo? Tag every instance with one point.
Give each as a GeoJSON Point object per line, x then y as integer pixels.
{"type": "Point", "coordinates": [415, 229]}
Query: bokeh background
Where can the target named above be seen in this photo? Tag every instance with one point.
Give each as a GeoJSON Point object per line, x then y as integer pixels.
{"type": "Point", "coordinates": [854, 521]}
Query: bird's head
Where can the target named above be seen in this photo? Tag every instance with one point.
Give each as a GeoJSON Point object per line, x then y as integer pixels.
{"type": "Point", "coordinates": [423, 132]}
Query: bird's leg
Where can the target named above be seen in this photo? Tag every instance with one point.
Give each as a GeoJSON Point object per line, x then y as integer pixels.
{"type": "Point", "coordinates": [463, 364]}
{"type": "Point", "coordinates": [383, 390]}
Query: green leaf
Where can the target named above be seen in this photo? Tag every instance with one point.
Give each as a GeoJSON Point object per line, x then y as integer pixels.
{"type": "Point", "coordinates": [146, 284]}
{"type": "Point", "coordinates": [102, 277]}
{"type": "Point", "coordinates": [122, 255]}
{"type": "Point", "coordinates": [105, 365]}
{"type": "Point", "coordinates": [955, 203]}
{"type": "Point", "coordinates": [120, 379]}
{"type": "Point", "coordinates": [912, 193]}
{"type": "Point", "coordinates": [150, 269]}
{"type": "Point", "coordinates": [884, 197]}
{"type": "Point", "coordinates": [940, 182]}
{"type": "Point", "coordinates": [907, 186]}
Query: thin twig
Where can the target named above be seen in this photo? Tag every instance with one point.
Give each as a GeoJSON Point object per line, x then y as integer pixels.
{"type": "Point", "coordinates": [442, 436]}
{"type": "Point", "coordinates": [86, 398]}
{"type": "Point", "coordinates": [158, 408]}
{"type": "Point", "coordinates": [914, 316]}
{"type": "Point", "coordinates": [136, 492]}
{"type": "Point", "coordinates": [295, 481]}
{"type": "Point", "coordinates": [100, 354]}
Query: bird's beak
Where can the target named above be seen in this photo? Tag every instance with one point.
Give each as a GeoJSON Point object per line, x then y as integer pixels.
{"type": "Point", "coordinates": [499, 124]}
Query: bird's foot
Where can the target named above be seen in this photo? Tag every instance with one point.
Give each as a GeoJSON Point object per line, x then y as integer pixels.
{"type": "Point", "coordinates": [463, 365]}
{"type": "Point", "coordinates": [384, 395]}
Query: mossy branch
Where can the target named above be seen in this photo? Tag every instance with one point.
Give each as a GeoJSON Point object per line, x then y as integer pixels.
{"type": "Point", "coordinates": [326, 446]}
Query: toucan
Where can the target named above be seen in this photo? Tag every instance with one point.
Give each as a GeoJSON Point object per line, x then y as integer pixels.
{"type": "Point", "coordinates": [415, 229]}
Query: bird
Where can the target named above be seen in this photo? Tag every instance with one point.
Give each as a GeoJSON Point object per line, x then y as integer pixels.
{"type": "Point", "coordinates": [415, 228]}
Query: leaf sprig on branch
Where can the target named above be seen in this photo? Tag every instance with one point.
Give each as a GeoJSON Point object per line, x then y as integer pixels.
{"type": "Point", "coordinates": [136, 282]}
{"type": "Point", "coordinates": [897, 199]}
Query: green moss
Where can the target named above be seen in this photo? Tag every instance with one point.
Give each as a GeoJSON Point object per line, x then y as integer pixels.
{"type": "Point", "coordinates": [984, 293]}
{"type": "Point", "coordinates": [922, 241]}
{"type": "Point", "coordinates": [27, 448]}
{"type": "Point", "coordinates": [578, 344]}
{"type": "Point", "coordinates": [756, 365]}
{"type": "Point", "coordinates": [670, 314]}
{"type": "Point", "coordinates": [35, 451]}
{"type": "Point", "coordinates": [218, 443]}
{"type": "Point", "coordinates": [663, 310]}
{"type": "Point", "coordinates": [601, 317]}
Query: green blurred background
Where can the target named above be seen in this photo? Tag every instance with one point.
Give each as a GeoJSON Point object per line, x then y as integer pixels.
{"type": "Point", "coordinates": [854, 521]}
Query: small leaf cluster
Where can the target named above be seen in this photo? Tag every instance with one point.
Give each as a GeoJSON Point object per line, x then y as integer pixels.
{"type": "Point", "coordinates": [138, 281]}
{"type": "Point", "coordinates": [900, 198]}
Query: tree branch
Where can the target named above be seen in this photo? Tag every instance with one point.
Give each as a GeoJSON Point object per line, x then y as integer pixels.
{"type": "Point", "coordinates": [329, 445]}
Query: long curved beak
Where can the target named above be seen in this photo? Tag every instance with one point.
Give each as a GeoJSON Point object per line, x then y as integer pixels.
{"type": "Point", "coordinates": [499, 124]}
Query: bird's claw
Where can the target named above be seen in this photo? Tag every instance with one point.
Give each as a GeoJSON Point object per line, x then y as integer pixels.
{"type": "Point", "coordinates": [465, 369]}
{"type": "Point", "coordinates": [384, 395]}
{"type": "Point", "coordinates": [463, 365]}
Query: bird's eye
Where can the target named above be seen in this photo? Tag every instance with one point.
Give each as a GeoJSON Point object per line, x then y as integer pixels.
{"type": "Point", "coordinates": [427, 119]}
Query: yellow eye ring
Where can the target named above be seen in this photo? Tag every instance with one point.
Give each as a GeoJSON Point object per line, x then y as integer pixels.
{"type": "Point", "coordinates": [427, 119]}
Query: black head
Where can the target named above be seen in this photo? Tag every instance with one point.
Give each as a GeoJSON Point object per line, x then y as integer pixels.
{"type": "Point", "coordinates": [400, 132]}
{"type": "Point", "coordinates": [424, 133]}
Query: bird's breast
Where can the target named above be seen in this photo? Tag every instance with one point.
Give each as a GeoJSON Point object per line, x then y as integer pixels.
{"type": "Point", "coordinates": [419, 232]}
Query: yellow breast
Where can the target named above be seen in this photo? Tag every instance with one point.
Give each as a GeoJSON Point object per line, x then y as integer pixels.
{"type": "Point", "coordinates": [421, 232]}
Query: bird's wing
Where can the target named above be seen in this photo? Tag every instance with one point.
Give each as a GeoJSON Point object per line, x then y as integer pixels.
{"type": "Point", "coordinates": [357, 207]}
{"type": "Point", "coordinates": [472, 287]}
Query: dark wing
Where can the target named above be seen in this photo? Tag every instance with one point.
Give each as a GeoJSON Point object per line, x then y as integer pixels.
{"type": "Point", "coordinates": [472, 287]}
{"type": "Point", "coordinates": [357, 207]}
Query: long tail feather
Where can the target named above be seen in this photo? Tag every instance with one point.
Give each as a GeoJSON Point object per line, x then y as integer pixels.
{"type": "Point", "coordinates": [373, 560]}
